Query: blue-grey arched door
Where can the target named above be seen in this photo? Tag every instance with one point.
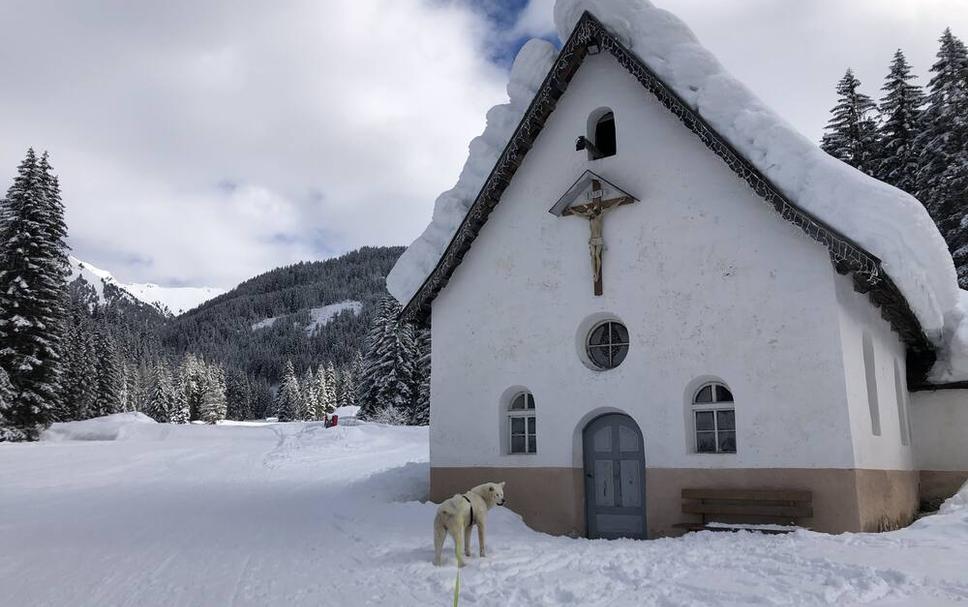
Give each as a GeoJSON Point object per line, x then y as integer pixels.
{"type": "Point", "coordinates": [614, 456]}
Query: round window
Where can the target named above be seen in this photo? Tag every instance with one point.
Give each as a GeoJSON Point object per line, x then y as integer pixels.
{"type": "Point", "coordinates": [608, 343]}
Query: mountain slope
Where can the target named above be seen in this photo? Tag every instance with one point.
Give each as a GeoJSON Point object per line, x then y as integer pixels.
{"type": "Point", "coordinates": [165, 299]}
{"type": "Point", "coordinates": [309, 313]}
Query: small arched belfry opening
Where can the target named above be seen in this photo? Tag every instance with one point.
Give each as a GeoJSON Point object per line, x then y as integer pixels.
{"type": "Point", "coordinates": [601, 133]}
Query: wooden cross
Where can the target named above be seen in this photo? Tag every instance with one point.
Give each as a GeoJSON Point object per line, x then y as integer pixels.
{"type": "Point", "coordinates": [594, 211]}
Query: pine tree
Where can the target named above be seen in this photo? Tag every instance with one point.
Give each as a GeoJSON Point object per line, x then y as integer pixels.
{"type": "Point", "coordinates": [238, 395]}
{"type": "Point", "coordinates": [421, 384]}
{"type": "Point", "coordinates": [851, 134]}
{"type": "Point", "coordinates": [261, 399]}
{"type": "Point", "coordinates": [8, 432]}
{"type": "Point", "coordinates": [110, 381]}
{"type": "Point", "coordinates": [289, 401]}
{"type": "Point", "coordinates": [213, 405]}
{"type": "Point", "coordinates": [161, 394]}
{"type": "Point", "coordinates": [180, 409]}
{"type": "Point", "coordinates": [943, 174]}
{"type": "Point", "coordinates": [328, 397]}
{"type": "Point", "coordinates": [193, 383]}
{"type": "Point", "coordinates": [901, 109]}
{"type": "Point", "coordinates": [387, 364]}
{"type": "Point", "coordinates": [33, 289]}
{"type": "Point", "coordinates": [310, 394]}
{"type": "Point", "coordinates": [79, 382]}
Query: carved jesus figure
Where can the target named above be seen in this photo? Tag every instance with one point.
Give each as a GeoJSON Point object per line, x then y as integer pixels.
{"type": "Point", "coordinates": [594, 211]}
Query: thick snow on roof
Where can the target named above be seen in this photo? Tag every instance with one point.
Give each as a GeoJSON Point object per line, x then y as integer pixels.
{"type": "Point", "coordinates": [887, 222]}
{"type": "Point", "coordinates": [533, 62]}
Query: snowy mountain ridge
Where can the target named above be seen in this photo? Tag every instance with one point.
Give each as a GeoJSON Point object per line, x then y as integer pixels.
{"type": "Point", "coordinates": [165, 299]}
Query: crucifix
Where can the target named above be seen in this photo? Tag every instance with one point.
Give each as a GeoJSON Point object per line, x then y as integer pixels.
{"type": "Point", "coordinates": [594, 211]}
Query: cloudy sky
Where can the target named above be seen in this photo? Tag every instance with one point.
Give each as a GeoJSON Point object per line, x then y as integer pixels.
{"type": "Point", "coordinates": [200, 142]}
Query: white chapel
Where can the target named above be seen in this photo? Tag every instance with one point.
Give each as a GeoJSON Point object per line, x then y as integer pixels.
{"type": "Point", "coordinates": [647, 288]}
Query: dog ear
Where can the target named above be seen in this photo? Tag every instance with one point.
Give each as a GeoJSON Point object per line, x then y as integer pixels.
{"type": "Point", "coordinates": [502, 484]}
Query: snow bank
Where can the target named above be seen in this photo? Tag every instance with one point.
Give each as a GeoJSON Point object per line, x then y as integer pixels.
{"type": "Point", "coordinates": [952, 364]}
{"type": "Point", "coordinates": [956, 504]}
{"type": "Point", "coordinates": [119, 426]}
{"type": "Point", "coordinates": [534, 60]}
{"type": "Point", "coordinates": [889, 223]}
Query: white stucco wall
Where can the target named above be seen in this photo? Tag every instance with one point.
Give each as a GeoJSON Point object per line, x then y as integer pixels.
{"type": "Point", "coordinates": [710, 281]}
{"type": "Point", "coordinates": [939, 421]}
{"type": "Point", "coordinates": [857, 317]}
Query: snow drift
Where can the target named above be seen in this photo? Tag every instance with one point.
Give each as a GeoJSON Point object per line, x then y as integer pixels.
{"type": "Point", "coordinates": [887, 222]}
{"type": "Point", "coordinates": [119, 426]}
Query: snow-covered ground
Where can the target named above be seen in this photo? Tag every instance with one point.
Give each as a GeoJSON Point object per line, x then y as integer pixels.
{"type": "Point", "coordinates": [296, 514]}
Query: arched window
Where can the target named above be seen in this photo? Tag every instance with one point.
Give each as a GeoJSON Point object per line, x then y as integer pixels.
{"type": "Point", "coordinates": [715, 419]}
{"type": "Point", "coordinates": [522, 437]}
{"type": "Point", "coordinates": [605, 135]}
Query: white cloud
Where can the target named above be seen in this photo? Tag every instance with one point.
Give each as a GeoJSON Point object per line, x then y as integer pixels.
{"type": "Point", "coordinates": [206, 142]}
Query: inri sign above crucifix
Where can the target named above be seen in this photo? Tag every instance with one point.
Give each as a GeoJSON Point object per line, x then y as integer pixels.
{"type": "Point", "coordinates": [591, 197]}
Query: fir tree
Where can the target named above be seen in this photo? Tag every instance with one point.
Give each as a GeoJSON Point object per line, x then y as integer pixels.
{"type": "Point", "coordinates": [328, 397]}
{"type": "Point", "coordinates": [289, 401]}
{"type": "Point", "coordinates": [387, 364]}
{"type": "Point", "coordinates": [213, 405]}
{"type": "Point", "coordinates": [943, 174]}
{"type": "Point", "coordinates": [237, 394]}
{"type": "Point", "coordinates": [421, 384]}
{"type": "Point", "coordinates": [193, 384]}
{"type": "Point", "coordinates": [110, 380]}
{"type": "Point", "coordinates": [161, 394]}
{"type": "Point", "coordinates": [311, 395]}
{"type": "Point", "coordinates": [851, 134]}
{"type": "Point", "coordinates": [79, 382]}
{"type": "Point", "coordinates": [180, 412]}
{"type": "Point", "coordinates": [901, 109]}
{"type": "Point", "coordinates": [8, 432]}
{"type": "Point", "coordinates": [33, 289]}
{"type": "Point", "coordinates": [261, 397]}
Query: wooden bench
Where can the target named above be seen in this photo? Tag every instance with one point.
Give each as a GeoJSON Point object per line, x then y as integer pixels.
{"type": "Point", "coordinates": [779, 510]}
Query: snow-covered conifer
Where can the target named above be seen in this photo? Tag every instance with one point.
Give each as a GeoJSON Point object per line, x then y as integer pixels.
{"type": "Point", "coordinates": [213, 406]}
{"type": "Point", "coordinates": [901, 109]}
{"type": "Point", "coordinates": [851, 134]}
{"type": "Point", "coordinates": [387, 363]}
{"type": "Point", "coordinates": [238, 395]}
{"type": "Point", "coordinates": [161, 394]}
{"type": "Point", "coordinates": [110, 380]}
{"type": "Point", "coordinates": [329, 394]}
{"type": "Point", "coordinates": [289, 402]}
{"type": "Point", "coordinates": [33, 271]}
{"type": "Point", "coordinates": [79, 381]}
{"type": "Point", "coordinates": [421, 383]}
{"type": "Point", "coordinates": [943, 144]}
{"type": "Point", "coordinates": [8, 432]}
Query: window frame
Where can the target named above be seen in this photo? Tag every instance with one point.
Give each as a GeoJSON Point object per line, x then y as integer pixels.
{"type": "Point", "coordinates": [610, 346]}
{"type": "Point", "coordinates": [528, 414]}
{"type": "Point", "coordinates": [718, 404]}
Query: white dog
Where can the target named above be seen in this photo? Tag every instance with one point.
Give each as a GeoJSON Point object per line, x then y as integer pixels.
{"type": "Point", "coordinates": [461, 512]}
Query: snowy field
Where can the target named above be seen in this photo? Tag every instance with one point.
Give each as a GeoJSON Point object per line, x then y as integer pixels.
{"type": "Point", "coordinates": [295, 514]}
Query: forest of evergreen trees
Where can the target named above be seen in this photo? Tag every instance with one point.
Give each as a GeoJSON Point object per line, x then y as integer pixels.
{"type": "Point", "coordinates": [68, 352]}
{"type": "Point", "coordinates": [913, 139]}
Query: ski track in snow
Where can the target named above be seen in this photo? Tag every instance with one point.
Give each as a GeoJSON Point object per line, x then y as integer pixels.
{"type": "Point", "coordinates": [297, 514]}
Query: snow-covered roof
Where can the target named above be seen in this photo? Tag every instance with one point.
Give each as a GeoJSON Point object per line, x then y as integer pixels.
{"type": "Point", "coordinates": [882, 235]}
